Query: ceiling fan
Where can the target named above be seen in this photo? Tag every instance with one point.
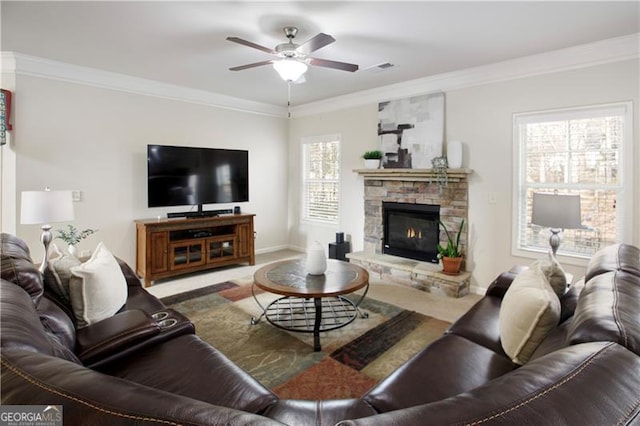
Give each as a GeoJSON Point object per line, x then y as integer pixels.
{"type": "Point", "coordinates": [294, 58]}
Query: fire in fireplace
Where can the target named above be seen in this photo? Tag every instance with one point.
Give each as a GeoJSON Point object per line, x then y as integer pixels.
{"type": "Point", "coordinates": [411, 230]}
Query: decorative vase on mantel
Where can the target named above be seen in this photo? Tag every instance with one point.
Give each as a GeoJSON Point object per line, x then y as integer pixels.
{"type": "Point", "coordinates": [451, 265]}
{"type": "Point", "coordinates": [454, 154]}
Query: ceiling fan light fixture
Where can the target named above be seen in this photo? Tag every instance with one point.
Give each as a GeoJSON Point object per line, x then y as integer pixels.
{"type": "Point", "coordinates": [290, 69]}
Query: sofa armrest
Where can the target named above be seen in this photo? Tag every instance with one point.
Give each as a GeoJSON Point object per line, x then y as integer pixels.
{"type": "Point", "coordinates": [172, 324]}
{"type": "Point", "coordinates": [592, 383]}
{"type": "Point", "coordinates": [93, 398]}
{"type": "Point", "coordinates": [501, 284]}
{"type": "Point", "coordinates": [113, 334]}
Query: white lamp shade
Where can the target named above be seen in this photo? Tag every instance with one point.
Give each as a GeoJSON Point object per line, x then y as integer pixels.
{"type": "Point", "coordinates": [43, 207]}
{"type": "Point", "coordinates": [290, 69]}
{"type": "Point", "coordinates": [556, 211]}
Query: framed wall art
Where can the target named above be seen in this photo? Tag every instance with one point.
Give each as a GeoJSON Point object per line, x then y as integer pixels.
{"type": "Point", "coordinates": [411, 131]}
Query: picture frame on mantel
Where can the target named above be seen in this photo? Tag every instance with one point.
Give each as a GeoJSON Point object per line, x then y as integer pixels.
{"type": "Point", "coordinates": [411, 131]}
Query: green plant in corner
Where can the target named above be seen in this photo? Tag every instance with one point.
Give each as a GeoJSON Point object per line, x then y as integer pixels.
{"type": "Point", "coordinates": [72, 235]}
{"type": "Point", "coordinates": [372, 155]}
{"type": "Point", "coordinates": [452, 249]}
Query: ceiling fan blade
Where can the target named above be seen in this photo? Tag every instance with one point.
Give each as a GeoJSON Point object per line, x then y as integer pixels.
{"type": "Point", "coordinates": [251, 44]}
{"type": "Point", "coordinates": [315, 43]}
{"type": "Point", "coordinates": [333, 64]}
{"type": "Point", "coordinates": [253, 65]}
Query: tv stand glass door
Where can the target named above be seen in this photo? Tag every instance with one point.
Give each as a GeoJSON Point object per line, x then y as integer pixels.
{"type": "Point", "coordinates": [186, 254]}
{"type": "Point", "coordinates": [221, 248]}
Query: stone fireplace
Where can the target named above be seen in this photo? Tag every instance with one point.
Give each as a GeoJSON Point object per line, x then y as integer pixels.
{"type": "Point", "coordinates": [418, 188]}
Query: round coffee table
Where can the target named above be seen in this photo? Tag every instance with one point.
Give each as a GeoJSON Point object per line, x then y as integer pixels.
{"type": "Point", "coordinates": [310, 303]}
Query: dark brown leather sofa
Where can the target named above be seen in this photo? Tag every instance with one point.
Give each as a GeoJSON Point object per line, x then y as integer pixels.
{"type": "Point", "coordinates": [135, 369]}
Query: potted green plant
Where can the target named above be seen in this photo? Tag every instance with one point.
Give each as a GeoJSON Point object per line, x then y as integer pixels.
{"type": "Point", "coordinates": [372, 159]}
{"type": "Point", "coordinates": [73, 236]}
{"type": "Point", "coordinates": [451, 255]}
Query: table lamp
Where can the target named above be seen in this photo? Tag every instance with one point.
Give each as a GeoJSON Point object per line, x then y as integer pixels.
{"type": "Point", "coordinates": [45, 207]}
{"type": "Point", "coordinates": [556, 212]}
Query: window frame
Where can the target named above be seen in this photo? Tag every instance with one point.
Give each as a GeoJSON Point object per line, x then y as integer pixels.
{"type": "Point", "coordinates": [303, 179]}
{"type": "Point", "coordinates": [625, 203]}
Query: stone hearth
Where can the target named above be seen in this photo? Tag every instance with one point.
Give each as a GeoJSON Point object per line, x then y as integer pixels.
{"type": "Point", "coordinates": [421, 275]}
{"type": "Point", "coordinates": [419, 186]}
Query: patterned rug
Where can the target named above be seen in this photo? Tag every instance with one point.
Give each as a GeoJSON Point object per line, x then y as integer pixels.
{"type": "Point", "coordinates": [352, 360]}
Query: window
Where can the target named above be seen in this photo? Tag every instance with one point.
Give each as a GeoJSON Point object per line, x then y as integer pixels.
{"type": "Point", "coordinates": [585, 151]}
{"type": "Point", "coordinates": [321, 179]}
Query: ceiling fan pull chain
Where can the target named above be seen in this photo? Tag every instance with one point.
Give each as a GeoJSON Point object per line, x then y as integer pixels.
{"type": "Point", "coordinates": [288, 98]}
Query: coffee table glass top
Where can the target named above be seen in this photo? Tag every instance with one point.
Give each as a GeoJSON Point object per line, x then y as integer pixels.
{"type": "Point", "coordinates": [289, 278]}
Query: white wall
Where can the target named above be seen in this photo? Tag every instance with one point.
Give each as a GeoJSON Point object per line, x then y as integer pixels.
{"type": "Point", "coordinates": [358, 130]}
{"type": "Point", "coordinates": [71, 136]}
{"type": "Point", "coordinates": [481, 117]}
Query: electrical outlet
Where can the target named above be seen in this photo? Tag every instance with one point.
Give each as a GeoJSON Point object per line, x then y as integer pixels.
{"type": "Point", "coordinates": [76, 195]}
{"type": "Point", "coordinates": [85, 253]}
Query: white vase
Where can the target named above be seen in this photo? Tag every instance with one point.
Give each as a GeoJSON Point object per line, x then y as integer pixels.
{"type": "Point", "coordinates": [371, 163]}
{"type": "Point", "coordinates": [73, 250]}
{"type": "Point", "coordinates": [316, 260]}
{"type": "Point", "coordinates": [454, 154]}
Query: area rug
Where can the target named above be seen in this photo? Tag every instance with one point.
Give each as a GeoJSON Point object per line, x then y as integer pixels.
{"type": "Point", "coordinates": [352, 360]}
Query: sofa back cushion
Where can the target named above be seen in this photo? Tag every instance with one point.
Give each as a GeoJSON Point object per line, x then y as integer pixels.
{"type": "Point", "coordinates": [608, 311]}
{"type": "Point", "coordinates": [16, 266]}
{"type": "Point", "coordinates": [616, 257]}
{"type": "Point", "coordinates": [57, 323]}
{"type": "Point", "coordinates": [20, 325]}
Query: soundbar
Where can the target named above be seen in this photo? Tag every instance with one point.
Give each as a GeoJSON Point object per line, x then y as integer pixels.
{"type": "Point", "coordinates": [192, 215]}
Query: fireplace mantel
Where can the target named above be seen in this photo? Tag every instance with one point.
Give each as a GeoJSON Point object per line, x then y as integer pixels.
{"type": "Point", "coordinates": [418, 175]}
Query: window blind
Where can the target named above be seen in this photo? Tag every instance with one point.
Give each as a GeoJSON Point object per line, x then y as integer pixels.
{"type": "Point", "coordinates": [321, 179]}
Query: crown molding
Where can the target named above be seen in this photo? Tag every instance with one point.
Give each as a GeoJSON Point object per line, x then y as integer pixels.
{"type": "Point", "coordinates": [582, 56]}
{"type": "Point", "coordinates": [33, 66]}
{"type": "Point", "coordinates": [586, 55]}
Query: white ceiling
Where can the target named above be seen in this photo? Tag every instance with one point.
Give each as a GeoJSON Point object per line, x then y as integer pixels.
{"type": "Point", "coordinates": [183, 43]}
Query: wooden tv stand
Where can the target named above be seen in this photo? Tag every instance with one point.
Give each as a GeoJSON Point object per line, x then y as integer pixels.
{"type": "Point", "coordinates": [170, 247]}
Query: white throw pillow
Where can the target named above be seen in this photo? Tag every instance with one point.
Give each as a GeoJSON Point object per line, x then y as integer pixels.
{"type": "Point", "coordinates": [529, 310]}
{"type": "Point", "coordinates": [97, 288]}
{"type": "Point", "coordinates": [59, 268]}
{"type": "Point", "coordinates": [554, 274]}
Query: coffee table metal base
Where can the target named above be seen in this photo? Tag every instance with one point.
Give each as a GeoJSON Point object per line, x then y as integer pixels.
{"type": "Point", "coordinates": [310, 315]}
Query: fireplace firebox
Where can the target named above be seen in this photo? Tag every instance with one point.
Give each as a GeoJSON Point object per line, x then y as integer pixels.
{"type": "Point", "coordinates": [411, 230]}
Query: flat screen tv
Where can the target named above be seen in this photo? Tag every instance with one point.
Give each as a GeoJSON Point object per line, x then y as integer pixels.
{"type": "Point", "coordinates": [180, 175]}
